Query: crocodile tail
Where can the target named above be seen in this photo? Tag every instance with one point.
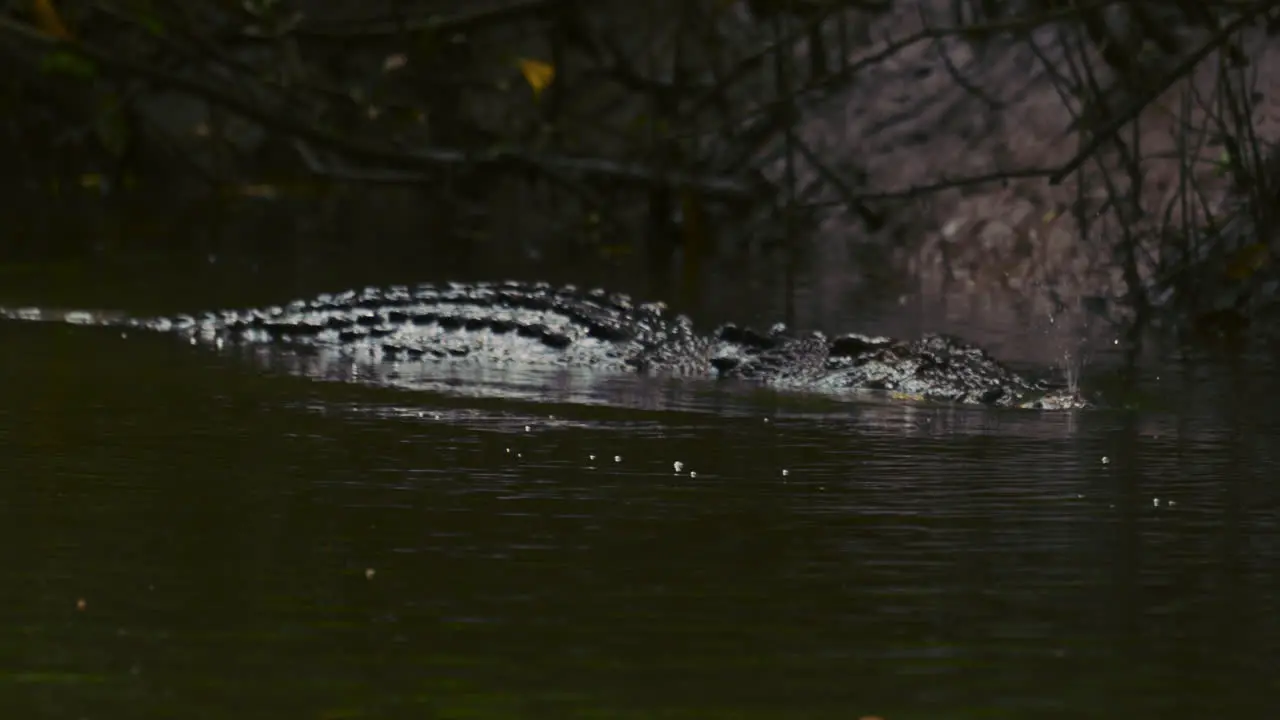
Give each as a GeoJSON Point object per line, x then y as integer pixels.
{"type": "Point", "coordinates": [102, 318]}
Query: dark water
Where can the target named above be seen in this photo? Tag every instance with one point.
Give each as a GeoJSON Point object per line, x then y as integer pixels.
{"type": "Point", "coordinates": [186, 535]}
{"type": "Point", "coordinates": [189, 534]}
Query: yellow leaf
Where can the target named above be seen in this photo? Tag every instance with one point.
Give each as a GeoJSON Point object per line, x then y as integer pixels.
{"type": "Point", "coordinates": [48, 20]}
{"type": "Point", "coordinates": [538, 74]}
{"type": "Point", "coordinates": [1247, 261]}
{"type": "Point", "coordinates": [259, 192]}
{"type": "Point", "coordinates": [615, 251]}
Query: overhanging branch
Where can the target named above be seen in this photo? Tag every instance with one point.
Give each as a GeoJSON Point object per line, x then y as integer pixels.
{"type": "Point", "coordinates": [425, 158]}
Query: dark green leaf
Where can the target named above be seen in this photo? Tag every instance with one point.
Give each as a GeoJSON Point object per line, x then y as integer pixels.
{"type": "Point", "coordinates": [67, 63]}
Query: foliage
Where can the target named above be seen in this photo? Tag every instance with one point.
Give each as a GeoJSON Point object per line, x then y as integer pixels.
{"type": "Point", "coordinates": [622, 121]}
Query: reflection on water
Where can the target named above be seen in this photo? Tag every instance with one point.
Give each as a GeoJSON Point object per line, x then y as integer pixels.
{"type": "Point", "coordinates": [542, 388]}
{"type": "Point", "coordinates": [188, 535]}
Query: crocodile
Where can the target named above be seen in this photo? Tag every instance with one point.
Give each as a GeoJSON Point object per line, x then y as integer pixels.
{"type": "Point", "coordinates": [519, 322]}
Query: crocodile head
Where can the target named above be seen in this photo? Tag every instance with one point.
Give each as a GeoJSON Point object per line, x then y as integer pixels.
{"type": "Point", "coordinates": [933, 368]}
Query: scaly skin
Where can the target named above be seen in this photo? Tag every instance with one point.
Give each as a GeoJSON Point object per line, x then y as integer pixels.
{"type": "Point", "coordinates": [512, 322]}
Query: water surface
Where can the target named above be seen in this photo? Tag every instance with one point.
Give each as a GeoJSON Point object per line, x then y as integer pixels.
{"type": "Point", "coordinates": [189, 534]}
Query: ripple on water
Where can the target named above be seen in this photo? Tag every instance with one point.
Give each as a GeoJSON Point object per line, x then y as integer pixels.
{"type": "Point", "coordinates": [924, 560]}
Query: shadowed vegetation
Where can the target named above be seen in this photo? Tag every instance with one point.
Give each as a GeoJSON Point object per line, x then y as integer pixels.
{"type": "Point", "coordinates": [676, 127]}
